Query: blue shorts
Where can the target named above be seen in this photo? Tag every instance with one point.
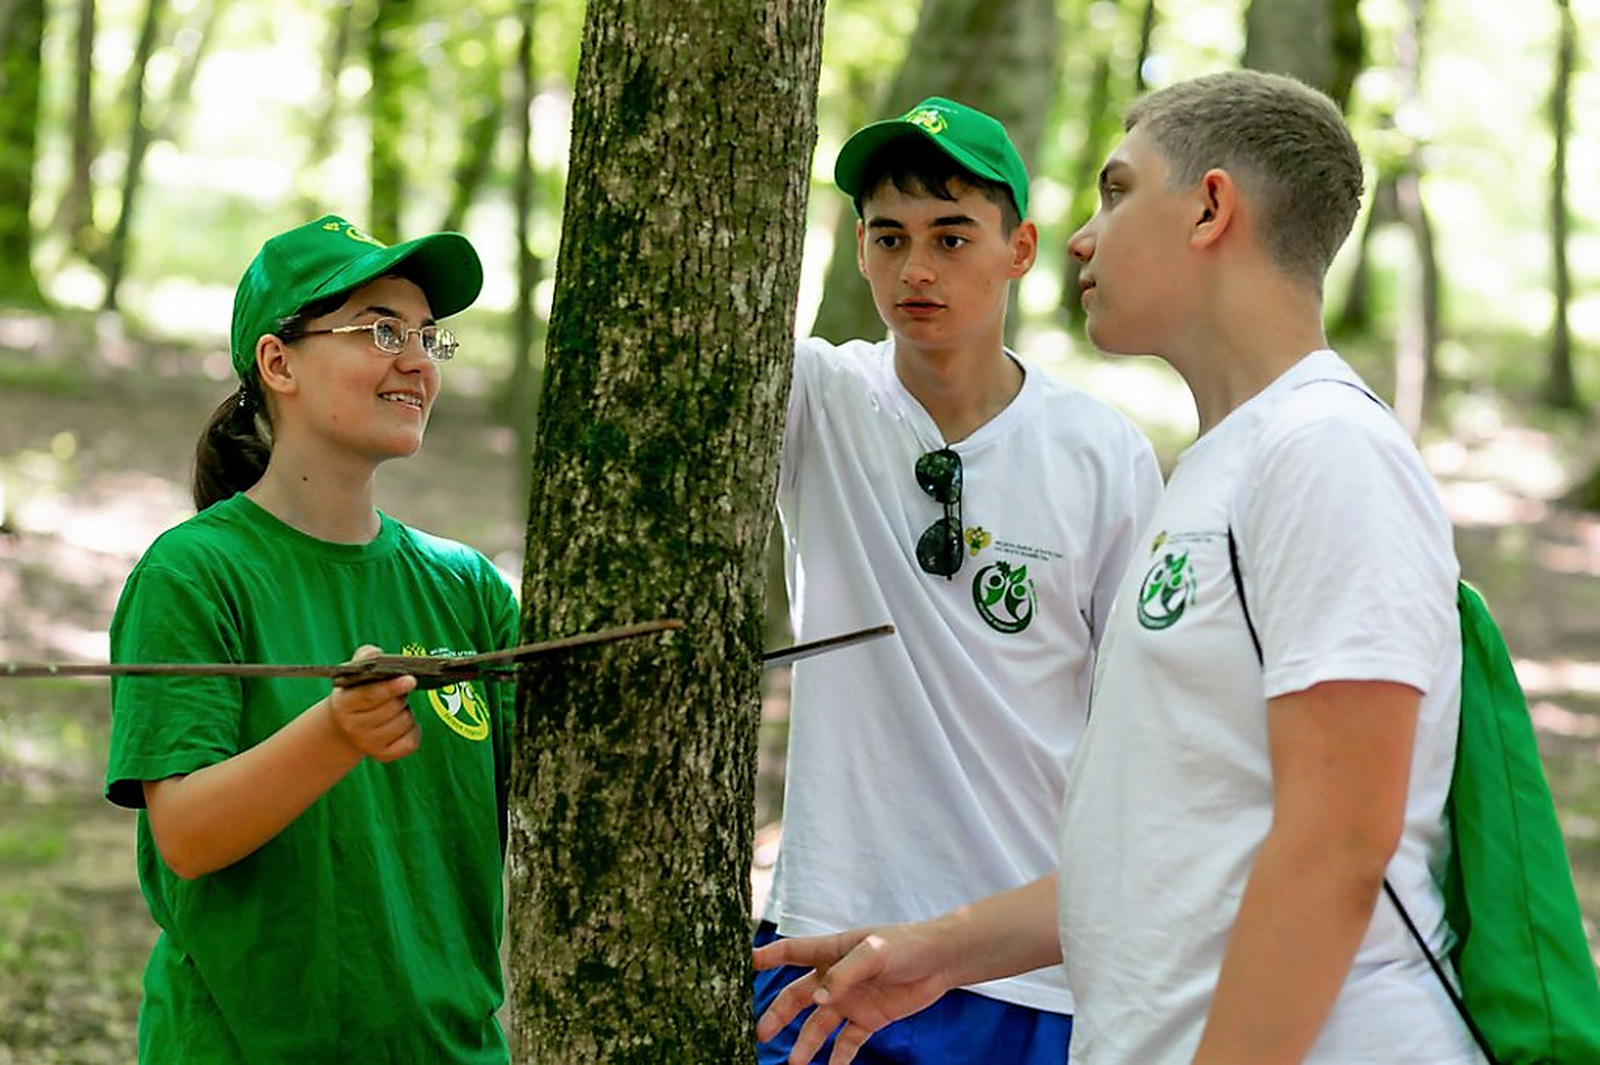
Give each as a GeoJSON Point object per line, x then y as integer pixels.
{"type": "Point", "coordinates": [961, 1028]}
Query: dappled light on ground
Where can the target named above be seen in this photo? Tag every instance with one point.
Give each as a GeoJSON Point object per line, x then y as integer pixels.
{"type": "Point", "coordinates": [93, 466]}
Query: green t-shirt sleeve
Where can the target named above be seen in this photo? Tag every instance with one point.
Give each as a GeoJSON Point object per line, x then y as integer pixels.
{"type": "Point", "coordinates": [166, 726]}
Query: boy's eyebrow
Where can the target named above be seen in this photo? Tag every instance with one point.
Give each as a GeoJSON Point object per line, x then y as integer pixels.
{"type": "Point", "coordinates": [943, 221]}
{"type": "Point", "coordinates": [1112, 167]}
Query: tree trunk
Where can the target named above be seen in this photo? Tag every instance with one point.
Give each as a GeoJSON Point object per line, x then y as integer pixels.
{"type": "Point", "coordinates": [521, 394]}
{"type": "Point", "coordinates": [1102, 125]}
{"type": "Point", "coordinates": [484, 105]}
{"type": "Point", "coordinates": [116, 255]}
{"type": "Point", "coordinates": [997, 55]}
{"type": "Point", "coordinates": [1561, 389]}
{"type": "Point", "coordinates": [655, 466]}
{"type": "Point", "coordinates": [21, 69]}
{"type": "Point", "coordinates": [390, 62]}
{"type": "Point", "coordinates": [75, 213]}
{"type": "Point", "coordinates": [309, 192]}
{"type": "Point", "coordinates": [1317, 41]}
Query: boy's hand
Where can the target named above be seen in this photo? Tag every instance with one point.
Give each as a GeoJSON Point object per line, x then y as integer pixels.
{"type": "Point", "coordinates": [373, 718]}
{"type": "Point", "coordinates": [861, 980]}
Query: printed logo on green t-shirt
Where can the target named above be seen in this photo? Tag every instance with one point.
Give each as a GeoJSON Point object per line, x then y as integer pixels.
{"type": "Point", "coordinates": [459, 705]}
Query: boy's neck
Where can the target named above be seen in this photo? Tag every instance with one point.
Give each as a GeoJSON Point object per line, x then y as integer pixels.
{"type": "Point", "coordinates": [1255, 335]}
{"type": "Point", "coordinates": [960, 390]}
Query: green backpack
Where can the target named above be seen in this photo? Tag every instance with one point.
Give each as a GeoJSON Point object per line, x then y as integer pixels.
{"type": "Point", "coordinates": [1528, 986]}
{"type": "Point", "coordinates": [1529, 993]}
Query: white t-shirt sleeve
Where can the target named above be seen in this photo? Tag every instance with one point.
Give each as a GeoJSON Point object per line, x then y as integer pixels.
{"type": "Point", "coordinates": [1346, 553]}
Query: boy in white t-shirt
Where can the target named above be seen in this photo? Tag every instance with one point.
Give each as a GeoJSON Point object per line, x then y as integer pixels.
{"type": "Point", "coordinates": [937, 481]}
{"type": "Point", "coordinates": [1232, 813]}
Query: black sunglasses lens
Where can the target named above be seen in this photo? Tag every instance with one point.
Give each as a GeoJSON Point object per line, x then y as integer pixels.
{"type": "Point", "coordinates": [939, 475]}
{"type": "Point", "coordinates": [939, 548]}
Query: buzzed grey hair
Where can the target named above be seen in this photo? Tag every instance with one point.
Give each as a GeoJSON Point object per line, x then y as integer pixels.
{"type": "Point", "coordinates": [1285, 143]}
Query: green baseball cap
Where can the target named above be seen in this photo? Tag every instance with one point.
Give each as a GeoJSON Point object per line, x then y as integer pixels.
{"type": "Point", "coordinates": [330, 256]}
{"type": "Point", "coordinates": [976, 141]}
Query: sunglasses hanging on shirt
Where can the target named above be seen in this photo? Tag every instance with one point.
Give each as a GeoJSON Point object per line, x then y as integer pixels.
{"type": "Point", "coordinates": [939, 548]}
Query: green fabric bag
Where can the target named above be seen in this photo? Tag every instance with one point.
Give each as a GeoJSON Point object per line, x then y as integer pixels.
{"type": "Point", "coordinates": [1526, 973]}
{"type": "Point", "coordinates": [1529, 992]}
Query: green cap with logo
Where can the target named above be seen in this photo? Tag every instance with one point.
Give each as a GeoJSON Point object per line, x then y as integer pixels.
{"type": "Point", "coordinates": [330, 256]}
{"type": "Point", "coordinates": [976, 141]}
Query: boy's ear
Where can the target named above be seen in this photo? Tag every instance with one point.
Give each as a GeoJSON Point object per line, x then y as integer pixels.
{"type": "Point", "coordinates": [861, 247]}
{"type": "Point", "coordinates": [273, 365]}
{"type": "Point", "coordinates": [1216, 198]}
{"type": "Point", "coordinates": [1024, 249]}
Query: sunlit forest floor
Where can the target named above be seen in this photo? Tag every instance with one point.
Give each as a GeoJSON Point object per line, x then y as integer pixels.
{"type": "Point", "coordinates": [94, 459]}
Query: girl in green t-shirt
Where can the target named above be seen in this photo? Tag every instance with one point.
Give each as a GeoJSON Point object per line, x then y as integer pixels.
{"type": "Point", "coordinates": [325, 864]}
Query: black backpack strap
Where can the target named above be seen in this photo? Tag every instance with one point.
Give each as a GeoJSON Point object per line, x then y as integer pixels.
{"type": "Point", "coordinates": [1388, 888]}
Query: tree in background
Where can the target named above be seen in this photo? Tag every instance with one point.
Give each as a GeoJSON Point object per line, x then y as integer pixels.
{"type": "Point", "coordinates": [1561, 389]}
{"type": "Point", "coordinates": [655, 463]}
{"type": "Point", "coordinates": [1099, 35]}
{"type": "Point", "coordinates": [392, 62]}
{"type": "Point", "coordinates": [1397, 199]}
{"type": "Point", "coordinates": [997, 55]}
{"type": "Point", "coordinates": [21, 67]}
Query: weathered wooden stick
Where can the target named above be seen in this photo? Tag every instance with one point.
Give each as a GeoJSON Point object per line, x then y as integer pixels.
{"type": "Point", "coordinates": [431, 671]}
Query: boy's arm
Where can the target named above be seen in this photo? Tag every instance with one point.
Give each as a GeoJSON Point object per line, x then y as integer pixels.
{"type": "Point", "coordinates": [866, 978]}
{"type": "Point", "coordinates": [1341, 757]}
{"type": "Point", "coordinates": [209, 819]}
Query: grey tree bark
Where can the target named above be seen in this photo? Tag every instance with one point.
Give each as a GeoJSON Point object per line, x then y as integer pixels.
{"type": "Point", "coordinates": [655, 463]}
{"type": "Point", "coordinates": [997, 55]}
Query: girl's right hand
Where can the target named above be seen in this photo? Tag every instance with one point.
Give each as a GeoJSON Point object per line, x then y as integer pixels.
{"type": "Point", "coordinates": [374, 718]}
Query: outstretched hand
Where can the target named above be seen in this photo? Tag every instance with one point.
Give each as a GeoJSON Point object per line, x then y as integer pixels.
{"type": "Point", "coordinates": [373, 717]}
{"type": "Point", "coordinates": [859, 982]}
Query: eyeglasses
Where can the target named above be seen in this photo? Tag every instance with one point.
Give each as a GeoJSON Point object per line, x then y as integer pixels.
{"type": "Point", "coordinates": [391, 336]}
{"type": "Point", "coordinates": [939, 548]}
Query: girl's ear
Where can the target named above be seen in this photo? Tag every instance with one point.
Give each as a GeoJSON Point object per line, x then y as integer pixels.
{"type": "Point", "coordinates": [274, 367]}
{"type": "Point", "coordinates": [1217, 195]}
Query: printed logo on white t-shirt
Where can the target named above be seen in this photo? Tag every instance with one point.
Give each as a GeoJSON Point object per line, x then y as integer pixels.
{"type": "Point", "coordinates": [1168, 586]}
{"type": "Point", "coordinates": [1002, 591]}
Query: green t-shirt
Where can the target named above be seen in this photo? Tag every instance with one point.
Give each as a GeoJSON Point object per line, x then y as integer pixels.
{"type": "Point", "coordinates": [368, 929]}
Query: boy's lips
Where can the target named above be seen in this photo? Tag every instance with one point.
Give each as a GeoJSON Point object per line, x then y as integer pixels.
{"type": "Point", "coordinates": [920, 306]}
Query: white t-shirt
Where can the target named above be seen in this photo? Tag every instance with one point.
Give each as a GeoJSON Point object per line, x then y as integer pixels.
{"type": "Point", "coordinates": [926, 769]}
{"type": "Point", "coordinates": [1350, 574]}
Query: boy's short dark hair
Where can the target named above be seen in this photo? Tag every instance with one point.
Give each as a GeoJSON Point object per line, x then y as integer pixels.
{"type": "Point", "coordinates": [916, 166]}
{"type": "Point", "coordinates": [1284, 142]}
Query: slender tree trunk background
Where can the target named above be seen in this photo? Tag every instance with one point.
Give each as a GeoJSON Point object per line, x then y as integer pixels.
{"type": "Point", "coordinates": [1000, 56]}
{"type": "Point", "coordinates": [21, 44]}
{"type": "Point", "coordinates": [139, 134]}
{"type": "Point", "coordinates": [655, 463]}
{"type": "Point", "coordinates": [1561, 389]}
{"type": "Point", "coordinates": [324, 120]}
{"type": "Point", "coordinates": [390, 60]}
{"type": "Point", "coordinates": [520, 397]}
{"type": "Point", "coordinates": [74, 214]}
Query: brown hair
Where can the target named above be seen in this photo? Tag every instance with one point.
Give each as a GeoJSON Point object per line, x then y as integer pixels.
{"type": "Point", "coordinates": [1285, 143]}
{"type": "Point", "coordinates": [916, 167]}
{"type": "Point", "coordinates": [236, 443]}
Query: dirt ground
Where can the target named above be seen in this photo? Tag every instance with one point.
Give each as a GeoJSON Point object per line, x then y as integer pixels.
{"type": "Point", "coordinates": [94, 463]}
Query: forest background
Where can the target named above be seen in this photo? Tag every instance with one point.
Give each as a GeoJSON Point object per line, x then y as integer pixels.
{"type": "Point", "coordinates": [147, 147]}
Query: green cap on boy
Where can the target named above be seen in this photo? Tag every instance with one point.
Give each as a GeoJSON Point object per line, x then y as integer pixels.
{"type": "Point", "coordinates": [977, 142]}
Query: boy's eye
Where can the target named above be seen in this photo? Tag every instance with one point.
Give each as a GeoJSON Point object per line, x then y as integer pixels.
{"type": "Point", "coordinates": [888, 241]}
{"type": "Point", "coordinates": [952, 241]}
